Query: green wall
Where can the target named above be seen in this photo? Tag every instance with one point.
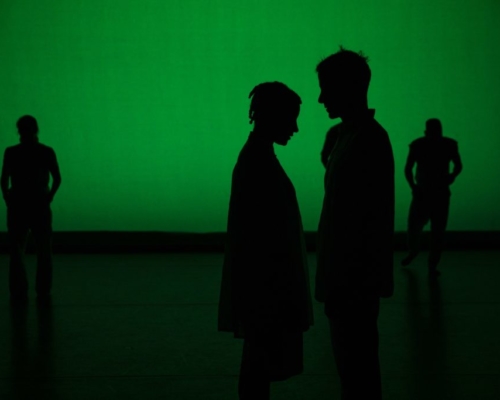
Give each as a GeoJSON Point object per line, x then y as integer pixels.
{"type": "Point", "coordinates": [146, 102]}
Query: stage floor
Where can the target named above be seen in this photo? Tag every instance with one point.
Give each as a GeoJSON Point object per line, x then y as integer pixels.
{"type": "Point", "coordinates": [145, 327]}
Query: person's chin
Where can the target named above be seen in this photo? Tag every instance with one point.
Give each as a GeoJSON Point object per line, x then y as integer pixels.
{"type": "Point", "coordinates": [333, 114]}
{"type": "Point", "coordinates": [283, 141]}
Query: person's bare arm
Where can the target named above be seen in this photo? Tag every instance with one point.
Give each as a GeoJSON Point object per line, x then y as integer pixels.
{"type": "Point", "coordinates": [5, 177]}
{"type": "Point", "coordinates": [56, 176]}
{"type": "Point", "coordinates": [410, 162]}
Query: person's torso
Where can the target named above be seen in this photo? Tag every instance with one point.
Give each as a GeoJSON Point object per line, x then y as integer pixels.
{"type": "Point", "coordinates": [433, 156]}
{"type": "Point", "coordinates": [361, 161]}
{"type": "Point", "coordinates": [355, 234]}
{"type": "Point", "coordinates": [260, 169]}
{"type": "Point", "coordinates": [263, 205]}
{"type": "Point", "coordinates": [29, 169]}
{"type": "Point", "coordinates": [265, 237]}
{"type": "Point", "coordinates": [359, 181]}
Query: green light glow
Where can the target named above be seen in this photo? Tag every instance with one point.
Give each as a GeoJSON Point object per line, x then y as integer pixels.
{"type": "Point", "coordinates": [146, 103]}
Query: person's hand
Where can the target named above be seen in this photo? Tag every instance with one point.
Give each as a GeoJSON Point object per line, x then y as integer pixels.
{"type": "Point", "coordinates": [50, 197]}
{"type": "Point", "coordinates": [451, 179]}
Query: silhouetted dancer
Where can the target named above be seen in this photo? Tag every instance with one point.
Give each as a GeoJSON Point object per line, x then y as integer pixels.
{"type": "Point", "coordinates": [355, 235]}
{"type": "Point", "coordinates": [431, 191]}
{"type": "Point", "coordinates": [28, 165]}
{"type": "Point", "coordinates": [265, 296]}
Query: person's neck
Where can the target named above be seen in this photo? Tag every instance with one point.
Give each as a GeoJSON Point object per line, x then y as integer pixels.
{"type": "Point", "coordinates": [263, 137]}
{"type": "Point", "coordinates": [355, 112]}
{"type": "Point", "coordinates": [28, 141]}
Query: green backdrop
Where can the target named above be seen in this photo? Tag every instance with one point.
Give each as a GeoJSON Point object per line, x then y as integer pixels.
{"type": "Point", "coordinates": [146, 102]}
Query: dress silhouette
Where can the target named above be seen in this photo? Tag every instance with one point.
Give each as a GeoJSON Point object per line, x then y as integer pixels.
{"type": "Point", "coordinates": [27, 166]}
{"type": "Point", "coordinates": [432, 155]}
{"type": "Point", "coordinates": [355, 234]}
{"type": "Point", "coordinates": [265, 297]}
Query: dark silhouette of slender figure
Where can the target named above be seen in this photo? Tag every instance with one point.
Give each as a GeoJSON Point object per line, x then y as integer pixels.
{"type": "Point", "coordinates": [431, 191]}
{"type": "Point", "coordinates": [265, 296]}
{"type": "Point", "coordinates": [28, 166]}
{"type": "Point", "coordinates": [355, 235]}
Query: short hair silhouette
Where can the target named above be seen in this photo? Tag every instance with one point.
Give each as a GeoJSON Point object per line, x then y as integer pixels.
{"type": "Point", "coordinates": [433, 127]}
{"type": "Point", "coordinates": [349, 67]}
{"type": "Point", "coordinates": [27, 125]}
{"type": "Point", "coordinates": [270, 98]}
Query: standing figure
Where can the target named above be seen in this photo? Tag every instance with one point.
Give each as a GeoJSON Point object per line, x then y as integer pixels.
{"type": "Point", "coordinates": [355, 235]}
{"type": "Point", "coordinates": [265, 297]}
{"type": "Point", "coordinates": [28, 165]}
{"type": "Point", "coordinates": [431, 191]}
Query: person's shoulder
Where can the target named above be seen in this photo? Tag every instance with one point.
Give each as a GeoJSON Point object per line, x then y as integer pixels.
{"type": "Point", "coordinates": [377, 128]}
{"type": "Point", "coordinates": [254, 160]}
{"type": "Point", "coordinates": [450, 141]}
{"type": "Point", "coordinates": [334, 129]}
{"type": "Point", "coordinates": [246, 158]}
{"type": "Point", "coordinates": [246, 153]}
{"type": "Point", "coordinates": [45, 147]}
{"type": "Point", "coordinates": [12, 149]}
{"type": "Point", "coordinates": [377, 134]}
{"type": "Point", "coordinates": [418, 142]}
{"type": "Point", "coordinates": [450, 145]}
{"type": "Point", "coordinates": [47, 150]}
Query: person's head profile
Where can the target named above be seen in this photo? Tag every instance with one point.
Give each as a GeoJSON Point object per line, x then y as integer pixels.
{"type": "Point", "coordinates": [344, 78]}
{"type": "Point", "coordinates": [433, 128]}
{"type": "Point", "coordinates": [274, 109]}
{"type": "Point", "coordinates": [27, 127]}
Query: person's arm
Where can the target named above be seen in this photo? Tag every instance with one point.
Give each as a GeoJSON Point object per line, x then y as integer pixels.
{"type": "Point", "coordinates": [56, 175]}
{"type": "Point", "coordinates": [5, 177]}
{"type": "Point", "coordinates": [457, 165]}
{"type": "Point", "coordinates": [410, 162]}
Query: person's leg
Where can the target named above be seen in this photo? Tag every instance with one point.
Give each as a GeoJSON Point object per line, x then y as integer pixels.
{"type": "Point", "coordinates": [254, 381]}
{"type": "Point", "coordinates": [354, 336]}
{"type": "Point", "coordinates": [417, 218]}
{"type": "Point", "coordinates": [18, 235]}
{"type": "Point", "coordinates": [42, 232]}
{"type": "Point", "coordinates": [439, 220]}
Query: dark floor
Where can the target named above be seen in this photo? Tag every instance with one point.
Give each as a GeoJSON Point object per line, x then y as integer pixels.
{"type": "Point", "coordinates": [145, 327]}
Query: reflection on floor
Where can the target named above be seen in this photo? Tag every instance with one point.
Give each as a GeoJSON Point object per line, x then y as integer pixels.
{"type": "Point", "coordinates": [145, 327]}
